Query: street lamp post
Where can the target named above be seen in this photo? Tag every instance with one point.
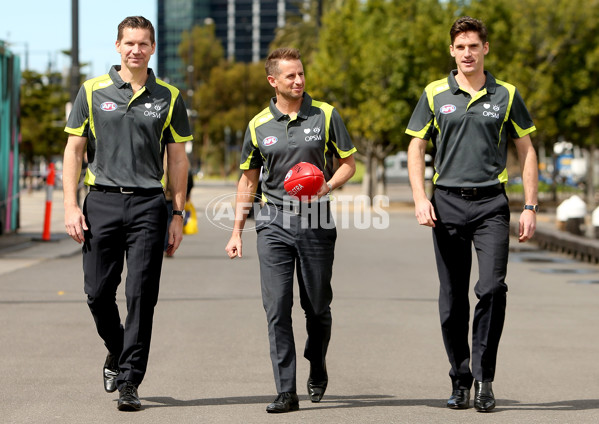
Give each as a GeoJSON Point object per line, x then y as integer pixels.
{"type": "Point", "coordinates": [74, 83]}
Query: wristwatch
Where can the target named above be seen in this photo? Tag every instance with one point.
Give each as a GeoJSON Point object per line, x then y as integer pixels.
{"type": "Point", "coordinates": [180, 213]}
{"type": "Point", "coordinates": [534, 208]}
{"type": "Point", "coordinates": [330, 186]}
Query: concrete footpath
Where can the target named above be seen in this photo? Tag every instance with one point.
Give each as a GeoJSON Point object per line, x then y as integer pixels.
{"type": "Point", "coordinates": [210, 363]}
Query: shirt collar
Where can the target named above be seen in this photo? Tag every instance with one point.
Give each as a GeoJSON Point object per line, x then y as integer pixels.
{"type": "Point", "coordinates": [303, 112]}
{"type": "Point", "coordinates": [119, 83]}
{"type": "Point", "coordinates": [490, 83]}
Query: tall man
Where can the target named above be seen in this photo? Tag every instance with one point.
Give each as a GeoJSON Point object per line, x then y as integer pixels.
{"type": "Point", "coordinates": [125, 120]}
{"type": "Point", "coordinates": [294, 128]}
{"type": "Point", "coordinates": [468, 117]}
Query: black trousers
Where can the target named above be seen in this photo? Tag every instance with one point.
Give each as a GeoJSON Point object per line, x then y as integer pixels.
{"type": "Point", "coordinates": [461, 223]}
{"type": "Point", "coordinates": [288, 242]}
{"type": "Point", "coordinates": [132, 227]}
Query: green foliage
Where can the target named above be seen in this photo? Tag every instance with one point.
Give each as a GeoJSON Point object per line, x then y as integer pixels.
{"type": "Point", "coordinates": [372, 59]}
{"type": "Point", "coordinates": [43, 115]}
{"type": "Point", "coordinates": [204, 53]}
{"type": "Point", "coordinates": [227, 100]}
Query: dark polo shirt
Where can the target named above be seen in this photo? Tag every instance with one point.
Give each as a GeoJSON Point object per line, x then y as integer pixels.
{"type": "Point", "coordinates": [127, 132]}
{"type": "Point", "coordinates": [470, 133]}
{"type": "Point", "coordinates": [277, 142]}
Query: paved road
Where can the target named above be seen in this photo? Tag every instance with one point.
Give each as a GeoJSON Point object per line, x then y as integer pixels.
{"type": "Point", "coordinates": [210, 363]}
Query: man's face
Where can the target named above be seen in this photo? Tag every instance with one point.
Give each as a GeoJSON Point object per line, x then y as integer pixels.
{"type": "Point", "coordinates": [135, 48]}
{"type": "Point", "coordinates": [469, 53]}
{"type": "Point", "coordinates": [290, 81]}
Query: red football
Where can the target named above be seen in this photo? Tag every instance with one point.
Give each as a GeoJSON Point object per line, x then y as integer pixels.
{"type": "Point", "coordinates": [303, 179]}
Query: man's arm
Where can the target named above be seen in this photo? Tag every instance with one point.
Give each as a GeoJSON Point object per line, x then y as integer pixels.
{"type": "Point", "coordinates": [530, 180]}
{"type": "Point", "coordinates": [177, 166]}
{"type": "Point", "coordinates": [71, 171]}
{"type": "Point", "coordinates": [424, 211]}
{"type": "Point", "coordinates": [346, 170]}
{"type": "Point", "coordinates": [248, 183]}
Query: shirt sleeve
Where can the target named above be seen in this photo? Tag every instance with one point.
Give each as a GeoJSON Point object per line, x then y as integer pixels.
{"type": "Point", "coordinates": [339, 137]}
{"type": "Point", "coordinates": [421, 122]}
{"type": "Point", "coordinates": [520, 122]}
{"type": "Point", "coordinates": [250, 153]}
{"type": "Point", "coordinates": [78, 121]}
{"type": "Point", "coordinates": [179, 130]}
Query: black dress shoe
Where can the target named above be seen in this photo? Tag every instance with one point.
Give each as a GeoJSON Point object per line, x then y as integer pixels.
{"type": "Point", "coordinates": [317, 383]}
{"type": "Point", "coordinates": [484, 399]}
{"type": "Point", "coordinates": [110, 372]}
{"type": "Point", "coordinates": [285, 402]}
{"type": "Point", "coordinates": [128, 399]}
{"type": "Point", "coordinates": [459, 399]}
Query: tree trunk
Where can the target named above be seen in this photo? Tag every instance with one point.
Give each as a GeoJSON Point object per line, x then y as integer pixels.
{"type": "Point", "coordinates": [591, 176]}
{"type": "Point", "coordinates": [369, 173]}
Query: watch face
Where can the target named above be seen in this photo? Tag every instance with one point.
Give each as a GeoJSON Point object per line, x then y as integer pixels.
{"type": "Point", "coordinates": [534, 208]}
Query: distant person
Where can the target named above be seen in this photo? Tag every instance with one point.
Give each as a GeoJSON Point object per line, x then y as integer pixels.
{"type": "Point", "coordinates": [277, 139]}
{"type": "Point", "coordinates": [125, 120]}
{"type": "Point", "coordinates": [468, 116]}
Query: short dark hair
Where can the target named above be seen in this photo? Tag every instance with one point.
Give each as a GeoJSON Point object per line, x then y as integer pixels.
{"type": "Point", "coordinates": [284, 53]}
{"type": "Point", "coordinates": [467, 24]}
{"type": "Point", "coordinates": [136, 22]}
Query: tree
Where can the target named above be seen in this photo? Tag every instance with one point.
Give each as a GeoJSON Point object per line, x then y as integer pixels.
{"type": "Point", "coordinates": [374, 60]}
{"type": "Point", "coordinates": [43, 115]}
{"type": "Point", "coordinates": [203, 53]}
{"type": "Point", "coordinates": [230, 97]}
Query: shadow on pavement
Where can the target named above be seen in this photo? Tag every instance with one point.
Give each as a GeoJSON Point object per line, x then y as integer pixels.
{"type": "Point", "coordinates": [366, 401]}
{"type": "Point", "coordinates": [358, 401]}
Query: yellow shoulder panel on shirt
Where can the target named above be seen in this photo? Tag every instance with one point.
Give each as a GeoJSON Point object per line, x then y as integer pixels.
{"type": "Point", "coordinates": [91, 85]}
{"type": "Point", "coordinates": [261, 118]}
{"type": "Point", "coordinates": [431, 90]}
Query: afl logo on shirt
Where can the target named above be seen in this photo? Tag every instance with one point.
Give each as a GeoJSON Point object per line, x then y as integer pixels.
{"type": "Point", "coordinates": [447, 109]}
{"type": "Point", "coordinates": [269, 141]}
{"type": "Point", "coordinates": [108, 106]}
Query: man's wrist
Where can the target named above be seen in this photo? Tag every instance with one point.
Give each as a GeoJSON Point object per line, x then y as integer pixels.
{"type": "Point", "coordinates": [531, 207]}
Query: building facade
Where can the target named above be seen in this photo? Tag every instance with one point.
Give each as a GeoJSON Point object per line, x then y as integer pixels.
{"type": "Point", "coordinates": [244, 27]}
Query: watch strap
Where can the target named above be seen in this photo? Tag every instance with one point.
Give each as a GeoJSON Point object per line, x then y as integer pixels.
{"type": "Point", "coordinates": [534, 208]}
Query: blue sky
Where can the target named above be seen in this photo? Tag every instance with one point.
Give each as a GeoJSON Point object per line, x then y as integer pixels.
{"type": "Point", "coordinates": [45, 27]}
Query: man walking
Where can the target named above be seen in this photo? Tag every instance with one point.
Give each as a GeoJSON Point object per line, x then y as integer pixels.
{"type": "Point", "coordinates": [468, 117]}
{"type": "Point", "coordinates": [293, 129]}
{"type": "Point", "coordinates": [125, 120]}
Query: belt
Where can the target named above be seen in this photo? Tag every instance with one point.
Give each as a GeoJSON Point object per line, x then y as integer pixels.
{"type": "Point", "coordinates": [300, 208]}
{"type": "Point", "coordinates": [474, 192]}
{"type": "Point", "coordinates": [127, 190]}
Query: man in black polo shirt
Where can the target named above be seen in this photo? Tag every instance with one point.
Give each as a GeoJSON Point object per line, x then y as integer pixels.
{"type": "Point", "coordinates": [125, 120]}
{"type": "Point", "coordinates": [294, 128]}
{"type": "Point", "coordinates": [468, 116]}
